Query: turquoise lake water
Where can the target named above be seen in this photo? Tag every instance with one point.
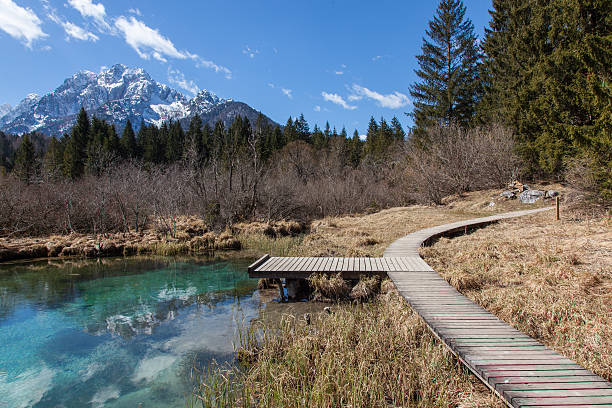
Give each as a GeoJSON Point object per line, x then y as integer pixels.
{"type": "Point", "coordinates": [117, 333]}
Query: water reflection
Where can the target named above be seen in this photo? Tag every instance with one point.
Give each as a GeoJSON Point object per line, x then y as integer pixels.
{"type": "Point", "coordinates": [119, 332]}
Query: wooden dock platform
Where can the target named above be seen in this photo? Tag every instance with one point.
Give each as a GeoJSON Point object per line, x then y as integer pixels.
{"type": "Point", "coordinates": [522, 371]}
{"type": "Point", "coordinates": [350, 268]}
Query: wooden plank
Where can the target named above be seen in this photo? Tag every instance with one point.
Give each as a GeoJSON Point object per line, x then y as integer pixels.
{"type": "Point", "coordinates": [274, 262]}
{"type": "Point", "coordinates": [334, 263]}
{"type": "Point", "coordinates": [510, 361]}
{"type": "Point", "coordinates": [291, 266]}
{"type": "Point", "coordinates": [281, 266]}
{"type": "Point", "coordinates": [555, 386]}
{"type": "Point", "coordinates": [527, 366]}
{"type": "Point", "coordinates": [398, 267]}
{"type": "Point", "coordinates": [533, 373]}
{"type": "Point", "coordinates": [342, 264]}
{"type": "Point", "coordinates": [370, 266]}
{"type": "Point", "coordinates": [552, 401]}
{"type": "Point", "coordinates": [311, 268]}
{"type": "Point", "coordinates": [596, 392]}
{"type": "Point", "coordinates": [258, 263]}
{"type": "Point", "coordinates": [306, 264]}
{"type": "Point", "coordinates": [269, 264]}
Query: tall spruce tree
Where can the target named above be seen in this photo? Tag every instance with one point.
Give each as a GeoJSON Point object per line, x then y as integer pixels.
{"type": "Point", "coordinates": [448, 70]}
{"type": "Point", "coordinates": [25, 160]}
{"type": "Point", "coordinates": [53, 160]}
{"type": "Point", "coordinates": [128, 141]}
{"type": "Point", "coordinates": [75, 151]}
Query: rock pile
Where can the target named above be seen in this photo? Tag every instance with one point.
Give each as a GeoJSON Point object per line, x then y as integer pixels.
{"type": "Point", "coordinates": [525, 194]}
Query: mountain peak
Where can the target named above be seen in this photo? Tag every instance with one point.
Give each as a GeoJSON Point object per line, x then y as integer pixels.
{"type": "Point", "coordinates": [115, 94]}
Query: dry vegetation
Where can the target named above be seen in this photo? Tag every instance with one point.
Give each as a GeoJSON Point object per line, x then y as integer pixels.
{"type": "Point", "coordinates": [369, 354]}
{"type": "Point", "coordinates": [378, 354]}
{"type": "Point", "coordinates": [370, 234]}
{"type": "Point", "coordinates": [551, 280]}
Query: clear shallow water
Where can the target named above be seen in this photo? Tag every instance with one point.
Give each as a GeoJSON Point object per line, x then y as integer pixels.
{"type": "Point", "coordinates": [118, 333]}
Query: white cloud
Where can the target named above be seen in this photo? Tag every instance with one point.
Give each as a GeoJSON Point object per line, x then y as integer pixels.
{"type": "Point", "coordinates": [287, 92]}
{"type": "Point", "coordinates": [88, 8]}
{"type": "Point", "coordinates": [271, 85]}
{"type": "Point", "coordinates": [343, 65]}
{"type": "Point", "coordinates": [250, 52]}
{"type": "Point", "coordinates": [20, 23]}
{"type": "Point", "coordinates": [135, 11]}
{"type": "Point", "coordinates": [177, 78]}
{"type": "Point", "coordinates": [339, 72]}
{"type": "Point", "coordinates": [376, 58]}
{"type": "Point", "coordinates": [74, 31]}
{"type": "Point", "coordinates": [317, 108]}
{"type": "Point", "coordinates": [147, 42]}
{"type": "Point", "coordinates": [392, 101]}
{"type": "Point", "coordinates": [201, 62]}
{"type": "Point", "coordinates": [338, 100]}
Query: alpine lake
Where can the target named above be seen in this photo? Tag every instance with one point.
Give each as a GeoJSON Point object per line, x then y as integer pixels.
{"type": "Point", "coordinates": [118, 332]}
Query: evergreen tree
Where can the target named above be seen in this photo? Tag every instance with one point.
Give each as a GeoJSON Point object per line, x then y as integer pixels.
{"type": "Point", "coordinates": [327, 131]}
{"type": "Point", "coordinates": [302, 129]}
{"type": "Point", "coordinates": [207, 140]}
{"type": "Point", "coordinates": [75, 151]}
{"type": "Point", "coordinates": [128, 141]}
{"type": "Point", "coordinates": [175, 142]}
{"type": "Point", "coordinates": [356, 149]}
{"type": "Point", "coordinates": [369, 147]}
{"type": "Point", "coordinates": [112, 143]}
{"type": "Point", "coordinates": [54, 158]}
{"type": "Point", "coordinates": [25, 160]}
{"type": "Point", "coordinates": [448, 70]}
{"type": "Point", "coordinates": [290, 131]}
{"type": "Point", "coordinates": [547, 76]}
{"type": "Point", "coordinates": [279, 138]}
{"type": "Point", "coordinates": [398, 131]}
{"type": "Point", "coordinates": [319, 140]}
{"type": "Point", "coordinates": [194, 146]}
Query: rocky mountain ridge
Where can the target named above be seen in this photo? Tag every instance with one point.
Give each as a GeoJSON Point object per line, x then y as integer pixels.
{"type": "Point", "coordinates": [116, 94]}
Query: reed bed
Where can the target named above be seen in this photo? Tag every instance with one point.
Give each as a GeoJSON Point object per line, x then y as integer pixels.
{"type": "Point", "coordinates": [377, 354]}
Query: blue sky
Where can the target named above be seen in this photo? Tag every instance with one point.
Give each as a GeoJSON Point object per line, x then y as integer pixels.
{"type": "Point", "coordinates": [335, 60]}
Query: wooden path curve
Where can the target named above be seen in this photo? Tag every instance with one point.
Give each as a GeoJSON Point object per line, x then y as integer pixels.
{"type": "Point", "coordinates": [522, 371]}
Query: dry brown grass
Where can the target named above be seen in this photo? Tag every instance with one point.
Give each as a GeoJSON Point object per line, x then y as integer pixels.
{"type": "Point", "coordinates": [377, 354]}
{"type": "Point", "coordinates": [551, 280]}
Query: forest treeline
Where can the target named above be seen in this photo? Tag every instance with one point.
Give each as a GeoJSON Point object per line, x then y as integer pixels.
{"type": "Point", "coordinates": [532, 99]}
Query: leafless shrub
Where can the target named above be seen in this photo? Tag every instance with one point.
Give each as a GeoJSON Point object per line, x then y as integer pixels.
{"type": "Point", "coordinates": [456, 161]}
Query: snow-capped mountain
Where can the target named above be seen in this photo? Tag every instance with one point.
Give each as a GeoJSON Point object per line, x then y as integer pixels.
{"type": "Point", "coordinates": [116, 94]}
{"type": "Point", "coordinates": [4, 109]}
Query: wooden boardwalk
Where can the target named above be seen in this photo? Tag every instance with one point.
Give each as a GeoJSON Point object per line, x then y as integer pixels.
{"type": "Point", "coordinates": [522, 371]}
{"type": "Point", "coordinates": [350, 268]}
